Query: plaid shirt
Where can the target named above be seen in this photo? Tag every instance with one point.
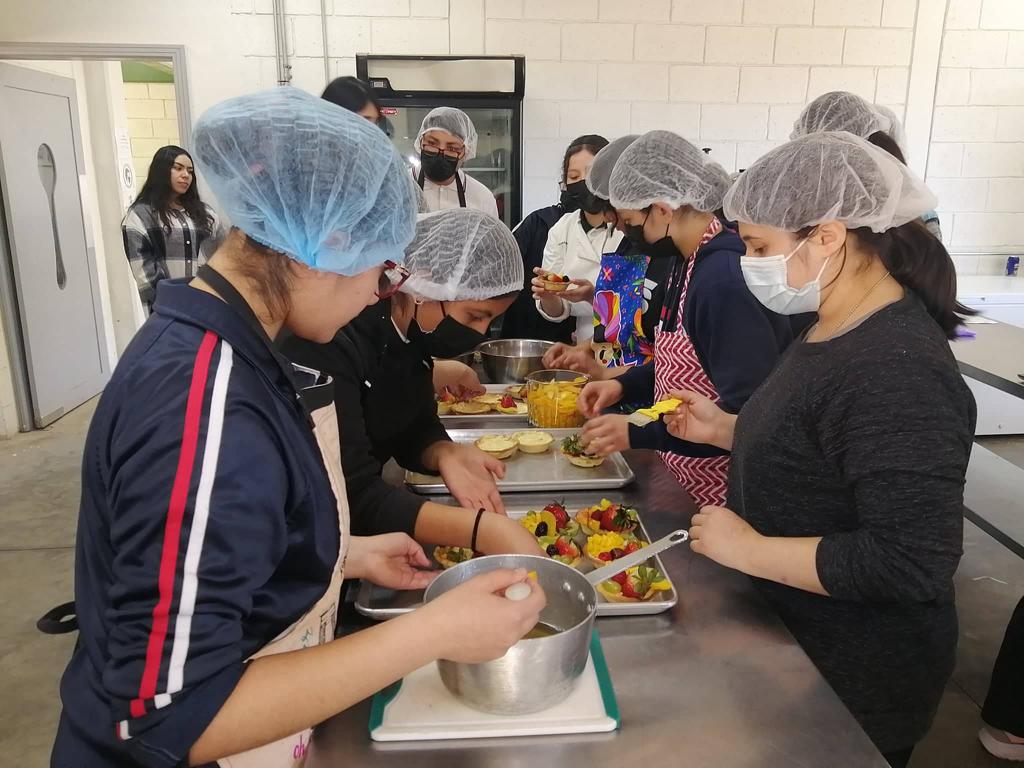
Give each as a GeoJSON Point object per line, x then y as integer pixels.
{"type": "Point", "coordinates": [156, 254]}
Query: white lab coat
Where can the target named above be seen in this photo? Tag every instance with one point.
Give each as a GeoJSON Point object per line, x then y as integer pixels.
{"type": "Point", "coordinates": [440, 198]}
{"type": "Point", "coordinates": [573, 252]}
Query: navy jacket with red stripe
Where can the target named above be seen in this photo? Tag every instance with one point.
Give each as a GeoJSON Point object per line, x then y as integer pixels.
{"type": "Point", "coordinates": [207, 526]}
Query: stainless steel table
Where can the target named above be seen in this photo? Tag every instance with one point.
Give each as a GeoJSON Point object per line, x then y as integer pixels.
{"type": "Point", "coordinates": [718, 682]}
{"type": "Point", "coordinates": [995, 356]}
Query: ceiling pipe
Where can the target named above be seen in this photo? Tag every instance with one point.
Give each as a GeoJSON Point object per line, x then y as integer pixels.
{"type": "Point", "coordinates": [284, 69]}
{"type": "Point", "coordinates": [323, 32]}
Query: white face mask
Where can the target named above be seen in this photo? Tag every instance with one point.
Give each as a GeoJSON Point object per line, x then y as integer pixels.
{"type": "Point", "coordinates": [767, 279]}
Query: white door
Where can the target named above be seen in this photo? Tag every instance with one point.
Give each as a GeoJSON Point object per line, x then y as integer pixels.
{"type": "Point", "coordinates": [55, 285]}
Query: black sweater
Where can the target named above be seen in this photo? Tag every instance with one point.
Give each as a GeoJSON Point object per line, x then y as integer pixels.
{"type": "Point", "coordinates": [864, 441]}
{"type": "Point", "coordinates": [737, 341]}
{"type": "Point", "coordinates": [522, 320]}
{"type": "Point", "coordinates": [384, 394]}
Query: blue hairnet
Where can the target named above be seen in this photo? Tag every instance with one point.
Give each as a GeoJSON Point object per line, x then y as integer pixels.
{"type": "Point", "coordinates": [308, 178]}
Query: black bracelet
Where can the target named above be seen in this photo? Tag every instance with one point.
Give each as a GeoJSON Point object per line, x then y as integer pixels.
{"type": "Point", "coordinates": [476, 528]}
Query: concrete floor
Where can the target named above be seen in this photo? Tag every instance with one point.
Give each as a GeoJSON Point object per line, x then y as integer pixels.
{"type": "Point", "coordinates": [38, 508]}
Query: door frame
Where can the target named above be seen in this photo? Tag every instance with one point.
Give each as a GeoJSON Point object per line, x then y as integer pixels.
{"type": "Point", "coordinates": [9, 314]}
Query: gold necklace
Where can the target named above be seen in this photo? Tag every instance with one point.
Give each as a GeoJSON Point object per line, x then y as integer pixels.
{"type": "Point", "coordinates": [857, 306]}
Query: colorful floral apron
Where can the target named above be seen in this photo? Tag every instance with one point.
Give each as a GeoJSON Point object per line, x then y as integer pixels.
{"type": "Point", "coordinates": [618, 308]}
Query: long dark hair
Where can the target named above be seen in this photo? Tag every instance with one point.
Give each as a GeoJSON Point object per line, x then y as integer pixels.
{"type": "Point", "coordinates": [350, 93]}
{"type": "Point", "coordinates": [919, 262]}
{"type": "Point", "coordinates": [157, 192]}
{"type": "Point", "coordinates": [883, 140]}
{"type": "Point", "coordinates": [590, 142]}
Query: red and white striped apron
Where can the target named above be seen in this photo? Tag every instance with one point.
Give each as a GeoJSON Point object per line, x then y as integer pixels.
{"type": "Point", "coordinates": [676, 366]}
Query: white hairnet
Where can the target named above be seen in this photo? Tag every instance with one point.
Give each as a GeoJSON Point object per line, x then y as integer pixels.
{"type": "Point", "coordinates": [663, 167]}
{"type": "Point", "coordinates": [893, 127]}
{"type": "Point", "coordinates": [307, 178]}
{"type": "Point", "coordinates": [824, 177]}
{"type": "Point", "coordinates": [462, 254]}
{"type": "Point", "coordinates": [839, 111]}
{"type": "Point", "coordinates": [600, 172]}
{"type": "Point", "coordinates": [453, 120]}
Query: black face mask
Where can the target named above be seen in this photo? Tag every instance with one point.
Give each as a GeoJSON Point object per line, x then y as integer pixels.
{"type": "Point", "coordinates": [437, 166]}
{"type": "Point", "coordinates": [576, 196]}
{"type": "Point", "coordinates": [449, 339]}
{"type": "Point", "coordinates": [664, 248]}
{"type": "Point", "coordinates": [635, 232]}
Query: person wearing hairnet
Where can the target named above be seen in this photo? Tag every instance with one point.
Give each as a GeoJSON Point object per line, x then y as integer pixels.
{"type": "Point", "coordinates": [877, 124]}
{"type": "Point", "coordinates": [464, 271]}
{"type": "Point", "coordinates": [846, 489]}
{"type": "Point", "coordinates": [628, 293]}
{"type": "Point", "coordinates": [575, 246]}
{"type": "Point", "coordinates": [713, 335]}
{"type": "Point", "coordinates": [446, 140]}
{"type": "Point", "coordinates": [213, 528]}
{"type": "Point", "coordinates": [523, 320]}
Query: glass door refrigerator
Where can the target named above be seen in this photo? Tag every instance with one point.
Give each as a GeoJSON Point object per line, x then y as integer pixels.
{"type": "Point", "coordinates": [487, 88]}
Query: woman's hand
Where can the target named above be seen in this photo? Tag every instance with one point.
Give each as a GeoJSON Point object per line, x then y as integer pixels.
{"type": "Point", "coordinates": [475, 622]}
{"type": "Point", "coordinates": [723, 536]}
{"type": "Point", "coordinates": [579, 290]}
{"type": "Point", "coordinates": [697, 419]}
{"type": "Point", "coordinates": [598, 395]}
{"type": "Point", "coordinates": [469, 474]}
{"type": "Point", "coordinates": [392, 560]}
{"type": "Point", "coordinates": [604, 435]}
{"type": "Point", "coordinates": [499, 535]}
{"type": "Point", "coordinates": [572, 358]}
{"type": "Point", "coordinates": [458, 378]}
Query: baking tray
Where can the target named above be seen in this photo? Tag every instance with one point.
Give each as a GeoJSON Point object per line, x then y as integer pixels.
{"type": "Point", "coordinates": [474, 421]}
{"type": "Point", "coordinates": [548, 471]}
{"type": "Point", "coordinates": [380, 603]}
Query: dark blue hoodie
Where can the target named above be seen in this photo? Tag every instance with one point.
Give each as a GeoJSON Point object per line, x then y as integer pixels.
{"type": "Point", "coordinates": [737, 340]}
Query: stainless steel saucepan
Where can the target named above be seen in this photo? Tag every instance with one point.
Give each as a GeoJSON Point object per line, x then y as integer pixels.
{"type": "Point", "coordinates": [537, 672]}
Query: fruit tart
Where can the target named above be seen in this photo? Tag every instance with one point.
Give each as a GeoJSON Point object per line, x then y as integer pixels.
{"type": "Point", "coordinates": [450, 556]}
{"type": "Point", "coordinates": [563, 549]}
{"type": "Point", "coordinates": [634, 585]}
{"type": "Point", "coordinates": [445, 401]}
{"type": "Point", "coordinates": [498, 446]}
{"type": "Point", "coordinates": [563, 520]}
{"type": "Point", "coordinates": [555, 283]}
{"type": "Point", "coordinates": [575, 453]}
{"type": "Point", "coordinates": [534, 441]}
{"type": "Point", "coordinates": [607, 516]}
{"type": "Point", "coordinates": [540, 524]}
{"type": "Point", "coordinates": [470, 408]}
{"type": "Point", "coordinates": [508, 404]}
{"type": "Point", "coordinates": [603, 548]}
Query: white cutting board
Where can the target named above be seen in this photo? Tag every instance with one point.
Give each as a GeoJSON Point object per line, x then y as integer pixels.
{"type": "Point", "coordinates": [424, 710]}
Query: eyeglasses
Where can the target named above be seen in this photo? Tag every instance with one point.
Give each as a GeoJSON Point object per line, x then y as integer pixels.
{"type": "Point", "coordinates": [391, 279]}
{"type": "Point", "coordinates": [450, 153]}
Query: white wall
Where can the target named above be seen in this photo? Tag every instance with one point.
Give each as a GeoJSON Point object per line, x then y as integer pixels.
{"type": "Point", "coordinates": [730, 74]}
{"type": "Point", "coordinates": [976, 163]}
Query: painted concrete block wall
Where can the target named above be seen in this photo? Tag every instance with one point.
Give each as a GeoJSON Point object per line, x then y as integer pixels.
{"type": "Point", "coordinates": [152, 114]}
{"type": "Point", "coordinates": [730, 75]}
{"type": "Point", "coordinates": [976, 163]}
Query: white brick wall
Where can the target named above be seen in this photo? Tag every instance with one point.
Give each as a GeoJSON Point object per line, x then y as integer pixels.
{"type": "Point", "coordinates": [152, 122]}
{"type": "Point", "coordinates": [976, 158]}
{"type": "Point", "coordinates": [730, 74]}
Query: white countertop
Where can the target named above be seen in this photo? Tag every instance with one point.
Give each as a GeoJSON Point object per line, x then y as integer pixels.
{"type": "Point", "coordinates": [991, 287]}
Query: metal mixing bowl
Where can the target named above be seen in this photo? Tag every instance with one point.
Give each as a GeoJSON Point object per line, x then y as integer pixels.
{"type": "Point", "coordinates": [537, 673]}
{"type": "Point", "coordinates": [510, 361]}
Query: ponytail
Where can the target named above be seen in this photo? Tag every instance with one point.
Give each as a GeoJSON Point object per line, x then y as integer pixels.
{"type": "Point", "coordinates": [920, 263]}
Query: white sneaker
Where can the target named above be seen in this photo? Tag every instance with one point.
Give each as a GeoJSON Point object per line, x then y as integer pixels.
{"type": "Point", "coordinates": [999, 744]}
